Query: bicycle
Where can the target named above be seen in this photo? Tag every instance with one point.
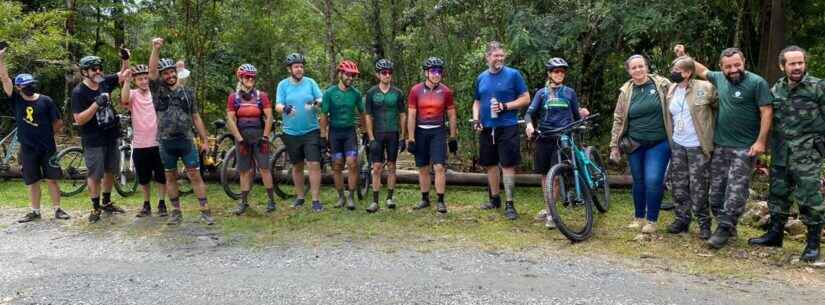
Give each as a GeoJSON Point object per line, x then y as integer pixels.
{"type": "Point", "coordinates": [581, 177]}
{"type": "Point", "coordinates": [228, 168]}
{"type": "Point", "coordinates": [126, 181]}
{"type": "Point", "coordinates": [9, 151]}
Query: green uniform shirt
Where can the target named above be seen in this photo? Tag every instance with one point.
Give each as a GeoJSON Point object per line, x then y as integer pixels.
{"type": "Point", "coordinates": [797, 117]}
{"type": "Point", "coordinates": [738, 118]}
{"type": "Point", "coordinates": [644, 119]}
{"type": "Point", "coordinates": [342, 107]}
{"type": "Point", "coordinates": [385, 108]}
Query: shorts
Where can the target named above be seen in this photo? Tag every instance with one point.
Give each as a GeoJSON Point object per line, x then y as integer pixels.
{"type": "Point", "coordinates": [102, 159]}
{"type": "Point", "coordinates": [38, 165]}
{"type": "Point", "coordinates": [343, 142]}
{"type": "Point", "coordinates": [387, 146]}
{"type": "Point", "coordinates": [546, 155]}
{"type": "Point", "coordinates": [253, 152]}
{"type": "Point", "coordinates": [148, 165]}
{"type": "Point", "coordinates": [306, 147]}
{"type": "Point", "coordinates": [430, 146]}
{"type": "Point", "coordinates": [503, 150]}
{"type": "Point", "coordinates": [184, 149]}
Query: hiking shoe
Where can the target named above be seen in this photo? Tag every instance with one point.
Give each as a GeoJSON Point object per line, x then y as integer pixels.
{"type": "Point", "coordinates": [678, 226]}
{"type": "Point", "coordinates": [61, 214]}
{"type": "Point", "coordinates": [510, 211]}
{"type": "Point", "coordinates": [350, 202]}
{"type": "Point", "coordinates": [240, 209]}
{"type": "Point", "coordinates": [719, 238]}
{"type": "Point", "coordinates": [162, 212]}
{"type": "Point", "coordinates": [649, 228]}
{"type": "Point", "coordinates": [297, 203]}
{"type": "Point", "coordinates": [94, 216]}
{"type": "Point", "coordinates": [391, 204]}
{"type": "Point", "coordinates": [145, 212]}
{"type": "Point", "coordinates": [490, 205]}
{"type": "Point", "coordinates": [441, 207]}
{"type": "Point", "coordinates": [704, 231]}
{"type": "Point", "coordinates": [30, 216]}
{"type": "Point", "coordinates": [422, 205]}
{"type": "Point", "coordinates": [340, 203]}
{"type": "Point", "coordinates": [206, 217]}
{"type": "Point", "coordinates": [317, 206]}
{"type": "Point", "coordinates": [549, 223]}
{"type": "Point", "coordinates": [271, 207]}
{"type": "Point", "coordinates": [112, 208]}
{"type": "Point", "coordinates": [373, 207]}
{"type": "Point", "coordinates": [175, 218]}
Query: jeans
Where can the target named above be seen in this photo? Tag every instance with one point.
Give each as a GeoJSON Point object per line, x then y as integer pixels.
{"type": "Point", "coordinates": [647, 166]}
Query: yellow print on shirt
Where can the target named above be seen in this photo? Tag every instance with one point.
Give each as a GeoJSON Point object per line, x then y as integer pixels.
{"type": "Point", "coordinates": [30, 116]}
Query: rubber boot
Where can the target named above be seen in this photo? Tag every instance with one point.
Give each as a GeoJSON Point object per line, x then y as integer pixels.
{"type": "Point", "coordinates": [774, 236]}
{"type": "Point", "coordinates": [811, 252]}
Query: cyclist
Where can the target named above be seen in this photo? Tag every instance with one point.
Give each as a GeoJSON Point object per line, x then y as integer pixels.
{"type": "Point", "coordinates": [37, 121]}
{"type": "Point", "coordinates": [386, 113]}
{"type": "Point", "coordinates": [427, 103]}
{"type": "Point", "coordinates": [340, 110]}
{"type": "Point", "coordinates": [554, 106]}
{"type": "Point", "coordinates": [177, 111]}
{"type": "Point", "coordinates": [298, 98]}
{"type": "Point", "coordinates": [249, 118]}
{"type": "Point", "coordinates": [99, 130]}
{"type": "Point", "coordinates": [145, 151]}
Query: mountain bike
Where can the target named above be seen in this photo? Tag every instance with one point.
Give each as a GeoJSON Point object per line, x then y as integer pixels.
{"type": "Point", "coordinates": [9, 151]}
{"type": "Point", "coordinates": [126, 181]}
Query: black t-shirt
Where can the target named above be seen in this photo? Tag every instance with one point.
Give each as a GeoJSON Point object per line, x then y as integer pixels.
{"type": "Point", "coordinates": [34, 122]}
{"type": "Point", "coordinates": [82, 98]}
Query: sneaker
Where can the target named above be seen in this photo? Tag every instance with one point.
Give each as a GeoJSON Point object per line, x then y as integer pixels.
{"type": "Point", "coordinates": [441, 207]}
{"type": "Point", "coordinates": [271, 207]}
{"type": "Point", "coordinates": [317, 206]}
{"type": "Point", "coordinates": [490, 205]}
{"type": "Point", "coordinates": [350, 202]}
{"type": "Point", "coordinates": [175, 218]}
{"type": "Point", "coordinates": [636, 224]}
{"type": "Point", "coordinates": [510, 211]}
{"type": "Point", "coordinates": [240, 209]}
{"type": "Point", "coordinates": [162, 212]}
{"type": "Point", "coordinates": [30, 216]}
{"type": "Point", "coordinates": [112, 208]}
{"type": "Point", "coordinates": [373, 207]}
{"type": "Point", "coordinates": [61, 214]}
{"type": "Point", "coordinates": [391, 204]}
{"type": "Point", "coordinates": [422, 205]}
{"type": "Point", "coordinates": [549, 223]}
{"type": "Point", "coordinates": [145, 212]}
{"type": "Point", "coordinates": [340, 203]}
{"type": "Point", "coordinates": [94, 216]}
{"type": "Point", "coordinates": [297, 203]}
{"type": "Point", "coordinates": [649, 228]}
{"type": "Point", "coordinates": [206, 217]}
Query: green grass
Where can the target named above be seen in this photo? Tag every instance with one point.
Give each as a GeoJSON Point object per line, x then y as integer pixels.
{"type": "Point", "coordinates": [464, 226]}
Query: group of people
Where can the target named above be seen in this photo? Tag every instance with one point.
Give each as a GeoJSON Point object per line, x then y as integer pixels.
{"type": "Point", "coordinates": [709, 127]}
{"type": "Point", "coordinates": [706, 126]}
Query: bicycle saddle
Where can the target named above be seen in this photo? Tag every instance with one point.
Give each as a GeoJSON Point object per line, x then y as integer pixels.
{"type": "Point", "coordinates": [219, 124]}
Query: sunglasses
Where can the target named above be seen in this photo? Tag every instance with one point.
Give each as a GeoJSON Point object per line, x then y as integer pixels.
{"type": "Point", "coordinates": [95, 69]}
{"type": "Point", "coordinates": [386, 72]}
{"type": "Point", "coordinates": [350, 74]}
{"type": "Point", "coordinates": [248, 77]}
{"type": "Point", "coordinates": [436, 71]}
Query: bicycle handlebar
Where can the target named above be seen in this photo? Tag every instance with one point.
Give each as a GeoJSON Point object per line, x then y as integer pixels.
{"type": "Point", "coordinates": [570, 126]}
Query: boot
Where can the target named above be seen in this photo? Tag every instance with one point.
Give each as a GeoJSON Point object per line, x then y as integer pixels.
{"type": "Point", "coordinates": [814, 237]}
{"type": "Point", "coordinates": [704, 230]}
{"type": "Point", "coordinates": [772, 238]}
{"type": "Point", "coordinates": [678, 226]}
{"type": "Point", "coordinates": [720, 238]}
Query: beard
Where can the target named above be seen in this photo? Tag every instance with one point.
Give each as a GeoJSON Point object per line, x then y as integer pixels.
{"type": "Point", "coordinates": [735, 77]}
{"type": "Point", "coordinates": [171, 81]}
{"type": "Point", "coordinates": [98, 79]}
{"type": "Point", "coordinates": [797, 75]}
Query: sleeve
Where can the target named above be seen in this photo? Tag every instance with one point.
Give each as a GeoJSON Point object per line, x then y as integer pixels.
{"type": "Point", "coordinates": [230, 103]}
{"type": "Point", "coordinates": [368, 102]}
{"type": "Point", "coordinates": [325, 102]}
{"type": "Point", "coordinates": [110, 82]}
{"type": "Point", "coordinates": [764, 97]}
{"type": "Point", "coordinates": [402, 107]}
{"type": "Point", "coordinates": [316, 91]}
{"type": "Point", "coordinates": [449, 103]}
{"type": "Point", "coordinates": [359, 102]}
{"type": "Point", "coordinates": [13, 99]}
{"type": "Point", "coordinates": [574, 105]}
{"type": "Point", "coordinates": [265, 100]}
{"type": "Point", "coordinates": [412, 99]}
{"type": "Point", "coordinates": [713, 77]}
{"type": "Point", "coordinates": [534, 104]}
{"type": "Point", "coordinates": [77, 101]}
{"type": "Point", "coordinates": [476, 92]}
{"type": "Point", "coordinates": [54, 114]}
{"type": "Point", "coordinates": [518, 84]}
{"type": "Point", "coordinates": [280, 94]}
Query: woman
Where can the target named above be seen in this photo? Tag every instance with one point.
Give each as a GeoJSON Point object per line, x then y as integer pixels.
{"type": "Point", "coordinates": [689, 105]}
{"type": "Point", "coordinates": [640, 126]}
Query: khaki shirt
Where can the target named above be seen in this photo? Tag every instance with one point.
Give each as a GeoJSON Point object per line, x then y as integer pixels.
{"type": "Point", "coordinates": [701, 99]}
{"type": "Point", "coordinates": [623, 104]}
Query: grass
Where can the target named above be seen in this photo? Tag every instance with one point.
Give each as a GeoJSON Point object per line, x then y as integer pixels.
{"type": "Point", "coordinates": [464, 226]}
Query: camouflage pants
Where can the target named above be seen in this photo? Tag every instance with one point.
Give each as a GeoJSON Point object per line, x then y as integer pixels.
{"type": "Point", "coordinates": [730, 172]}
{"type": "Point", "coordinates": [689, 176]}
{"type": "Point", "coordinates": [802, 177]}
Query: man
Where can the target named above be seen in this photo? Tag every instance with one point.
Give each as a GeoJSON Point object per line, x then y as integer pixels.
{"type": "Point", "coordinates": [500, 92]}
{"type": "Point", "coordinates": [386, 113]}
{"type": "Point", "coordinates": [741, 134]}
{"type": "Point", "coordinates": [177, 111]}
{"type": "Point", "coordinates": [340, 111]}
{"type": "Point", "coordinates": [298, 98]}
{"type": "Point", "coordinates": [37, 121]}
{"type": "Point", "coordinates": [99, 131]}
{"type": "Point", "coordinates": [427, 103]}
{"type": "Point", "coordinates": [795, 159]}
{"type": "Point", "coordinates": [145, 150]}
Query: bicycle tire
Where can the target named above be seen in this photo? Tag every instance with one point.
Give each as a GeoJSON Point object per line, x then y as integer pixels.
{"type": "Point", "coordinates": [364, 174]}
{"type": "Point", "coordinates": [126, 182]}
{"type": "Point", "coordinates": [225, 143]}
{"type": "Point", "coordinates": [561, 209]}
{"type": "Point", "coordinates": [601, 187]}
{"type": "Point", "coordinates": [281, 169]}
{"type": "Point", "coordinates": [184, 184]}
{"type": "Point", "coordinates": [74, 171]}
{"type": "Point", "coordinates": [230, 178]}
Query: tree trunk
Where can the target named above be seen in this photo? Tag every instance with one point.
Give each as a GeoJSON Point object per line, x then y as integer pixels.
{"type": "Point", "coordinates": [72, 74]}
{"type": "Point", "coordinates": [119, 34]}
{"type": "Point", "coordinates": [377, 44]}
{"type": "Point", "coordinates": [775, 37]}
{"type": "Point", "coordinates": [330, 41]}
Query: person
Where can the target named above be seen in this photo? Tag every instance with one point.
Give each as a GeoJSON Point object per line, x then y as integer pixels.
{"type": "Point", "coordinates": [145, 151]}
{"type": "Point", "coordinates": [341, 109]}
{"type": "Point", "coordinates": [554, 106]}
{"type": "Point", "coordinates": [249, 118]}
{"type": "Point", "coordinates": [690, 105]}
{"type": "Point", "coordinates": [298, 99]}
{"type": "Point", "coordinates": [639, 118]}
{"type": "Point", "coordinates": [37, 121]}
{"type": "Point", "coordinates": [500, 92]}
{"type": "Point", "coordinates": [741, 134]}
{"type": "Point", "coordinates": [795, 159]}
{"type": "Point", "coordinates": [386, 114]}
{"type": "Point", "coordinates": [93, 111]}
{"type": "Point", "coordinates": [427, 103]}
{"type": "Point", "coordinates": [177, 111]}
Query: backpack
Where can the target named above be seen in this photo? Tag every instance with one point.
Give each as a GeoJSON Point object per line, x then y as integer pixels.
{"type": "Point", "coordinates": [245, 123]}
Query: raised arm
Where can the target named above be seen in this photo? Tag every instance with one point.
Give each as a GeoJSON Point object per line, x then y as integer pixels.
{"type": "Point", "coordinates": [154, 58]}
{"type": "Point", "coordinates": [701, 70]}
{"type": "Point", "coordinates": [8, 86]}
{"type": "Point", "coordinates": [125, 90]}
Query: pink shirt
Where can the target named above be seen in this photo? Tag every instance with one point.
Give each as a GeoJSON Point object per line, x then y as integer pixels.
{"type": "Point", "coordinates": [144, 119]}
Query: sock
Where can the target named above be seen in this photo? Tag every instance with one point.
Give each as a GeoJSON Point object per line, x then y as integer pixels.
{"type": "Point", "coordinates": [350, 193]}
{"type": "Point", "coordinates": [300, 201]}
{"type": "Point", "coordinates": [375, 196]}
{"type": "Point", "coordinates": [509, 184]}
{"type": "Point", "coordinates": [175, 203]}
{"type": "Point", "coordinates": [390, 193]}
{"type": "Point", "coordinates": [425, 196]}
{"type": "Point", "coordinates": [509, 202]}
{"type": "Point", "coordinates": [315, 202]}
{"type": "Point", "coordinates": [271, 194]}
{"type": "Point", "coordinates": [495, 200]}
{"type": "Point", "coordinates": [244, 196]}
{"type": "Point", "coordinates": [161, 203]}
{"type": "Point", "coordinates": [107, 198]}
{"type": "Point", "coordinates": [36, 211]}
{"type": "Point", "coordinates": [202, 202]}
{"type": "Point", "coordinates": [440, 198]}
{"type": "Point", "coordinates": [96, 203]}
{"type": "Point", "coordinates": [147, 205]}
{"type": "Point", "coordinates": [341, 193]}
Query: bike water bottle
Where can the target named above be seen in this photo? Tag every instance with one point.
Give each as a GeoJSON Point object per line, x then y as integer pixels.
{"type": "Point", "coordinates": [493, 103]}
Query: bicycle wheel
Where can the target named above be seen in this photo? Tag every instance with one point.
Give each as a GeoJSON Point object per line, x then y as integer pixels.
{"type": "Point", "coordinates": [230, 177]}
{"type": "Point", "coordinates": [224, 144]}
{"type": "Point", "coordinates": [364, 174]}
{"type": "Point", "coordinates": [573, 216]}
{"type": "Point", "coordinates": [601, 188]}
{"type": "Point", "coordinates": [282, 175]}
{"type": "Point", "coordinates": [184, 185]}
{"type": "Point", "coordinates": [126, 182]}
{"type": "Point", "coordinates": [73, 168]}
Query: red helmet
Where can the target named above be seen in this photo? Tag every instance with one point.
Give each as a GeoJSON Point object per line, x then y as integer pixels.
{"type": "Point", "coordinates": [348, 66]}
{"type": "Point", "coordinates": [246, 70]}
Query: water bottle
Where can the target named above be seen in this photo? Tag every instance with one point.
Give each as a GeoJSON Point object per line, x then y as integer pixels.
{"type": "Point", "coordinates": [493, 103]}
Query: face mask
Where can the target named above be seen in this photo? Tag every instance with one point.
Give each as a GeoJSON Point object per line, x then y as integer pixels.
{"type": "Point", "coordinates": [28, 90]}
{"type": "Point", "coordinates": [676, 77]}
{"type": "Point", "coordinates": [98, 79]}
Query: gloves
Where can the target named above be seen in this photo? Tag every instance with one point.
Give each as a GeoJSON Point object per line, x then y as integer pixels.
{"type": "Point", "coordinates": [288, 109]}
{"type": "Point", "coordinates": [243, 148]}
{"type": "Point", "coordinates": [402, 145]}
{"type": "Point", "coordinates": [102, 100]}
{"type": "Point", "coordinates": [125, 54]}
{"type": "Point", "coordinates": [411, 147]}
{"type": "Point", "coordinates": [264, 145]}
{"type": "Point", "coordinates": [453, 145]}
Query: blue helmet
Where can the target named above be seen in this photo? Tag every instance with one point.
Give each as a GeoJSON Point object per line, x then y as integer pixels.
{"type": "Point", "coordinates": [24, 79]}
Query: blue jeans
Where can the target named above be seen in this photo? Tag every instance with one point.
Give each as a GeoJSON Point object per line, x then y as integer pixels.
{"type": "Point", "coordinates": [648, 165]}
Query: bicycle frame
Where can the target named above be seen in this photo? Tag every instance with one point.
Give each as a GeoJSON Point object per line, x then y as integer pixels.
{"type": "Point", "coordinates": [578, 158]}
{"type": "Point", "coordinates": [11, 138]}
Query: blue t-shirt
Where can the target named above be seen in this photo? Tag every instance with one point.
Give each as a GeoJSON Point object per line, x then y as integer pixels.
{"type": "Point", "coordinates": [303, 121]}
{"type": "Point", "coordinates": [554, 110]}
{"type": "Point", "coordinates": [506, 85]}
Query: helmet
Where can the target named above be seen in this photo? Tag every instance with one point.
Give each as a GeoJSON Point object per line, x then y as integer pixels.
{"type": "Point", "coordinates": [294, 58]}
{"type": "Point", "coordinates": [140, 69]}
{"type": "Point", "coordinates": [246, 70]}
{"type": "Point", "coordinates": [555, 63]}
{"type": "Point", "coordinates": [348, 66]}
{"type": "Point", "coordinates": [24, 80]}
{"type": "Point", "coordinates": [433, 62]}
{"type": "Point", "coordinates": [90, 61]}
{"type": "Point", "coordinates": [383, 64]}
{"type": "Point", "coordinates": [166, 64]}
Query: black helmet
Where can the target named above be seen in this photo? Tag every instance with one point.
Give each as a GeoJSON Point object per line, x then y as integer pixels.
{"type": "Point", "coordinates": [555, 63]}
{"type": "Point", "coordinates": [90, 61]}
{"type": "Point", "coordinates": [166, 64]}
{"type": "Point", "coordinates": [383, 64]}
{"type": "Point", "coordinates": [140, 69]}
{"type": "Point", "coordinates": [294, 58]}
{"type": "Point", "coordinates": [433, 62]}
